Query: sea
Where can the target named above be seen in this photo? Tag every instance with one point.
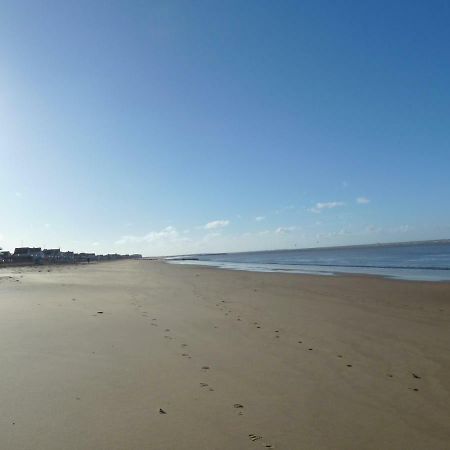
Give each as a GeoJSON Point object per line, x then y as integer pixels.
{"type": "Point", "coordinates": [421, 261]}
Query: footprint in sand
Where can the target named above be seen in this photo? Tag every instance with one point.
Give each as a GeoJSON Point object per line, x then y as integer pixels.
{"type": "Point", "coordinates": [255, 437]}
{"type": "Point", "coordinates": [205, 368]}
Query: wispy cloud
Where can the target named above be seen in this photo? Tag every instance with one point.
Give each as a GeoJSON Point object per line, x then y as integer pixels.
{"type": "Point", "coordinates": [215, 224]}
{"type": "Point", "coordinates": [260, 218]}
{"type": "Point", "coordinates": [319, 207]}
{"type": "Point", "coordinates": [362, 200]}
{"type": "Point", "coordinates": [285, 230]}
{"type": "Point", "coordinates": [402, 229]}
{"type": "Point", "coordinates": [166, 234]}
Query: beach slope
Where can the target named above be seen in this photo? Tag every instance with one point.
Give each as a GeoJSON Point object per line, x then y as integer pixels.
{"type": "Point", "coordinates": [147, 355]}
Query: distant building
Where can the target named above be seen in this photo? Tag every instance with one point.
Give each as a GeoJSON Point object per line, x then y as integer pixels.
{"type": "Point", "coordinates": [28, 254]}
{"type": "Point", "coordinates": [67, 257]}
{"type": "Point", "coordinates": [5, 256]}
{"type": "Point", "coordinates": [85, 257]}
{"type": "Point", "coordinates": [33, 255]}
{"type": "Point", "coordinates": [52, 255]}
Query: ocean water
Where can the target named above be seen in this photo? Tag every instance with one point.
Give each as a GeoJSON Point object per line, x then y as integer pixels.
{"type": "Point", "coordinates": [414, 261]}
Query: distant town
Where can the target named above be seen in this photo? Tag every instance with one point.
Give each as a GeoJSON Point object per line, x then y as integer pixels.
{"type": "Point", "coordinates": [36, 255]}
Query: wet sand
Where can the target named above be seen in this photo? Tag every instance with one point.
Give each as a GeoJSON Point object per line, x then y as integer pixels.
{"type": "Point", "coordinates": [146, 355]}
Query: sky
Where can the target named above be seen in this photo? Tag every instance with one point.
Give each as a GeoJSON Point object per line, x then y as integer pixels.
{"type": "Point", "coordinates": [174, 127]}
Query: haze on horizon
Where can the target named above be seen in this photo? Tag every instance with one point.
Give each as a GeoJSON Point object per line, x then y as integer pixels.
{"type": "Point", "coordinates": [181, 127]}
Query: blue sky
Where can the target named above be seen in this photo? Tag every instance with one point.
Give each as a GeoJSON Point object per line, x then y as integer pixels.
{"type": "Point", "coordinates": [193, 126]}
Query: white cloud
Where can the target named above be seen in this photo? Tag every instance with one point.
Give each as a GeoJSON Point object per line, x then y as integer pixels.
{"type": "Point", "coordinates": [285, 230]}
{"type": "Point", "coordinates": [362, 200]}
{"type": "Point", "coordinates": [166, 234]}
{"type": "Point", "coordinates": [95, 244]}
{"type": "Point", "coordinates": [259, 218]}
{"type": "Point", "coordinates": [402, 229]}
{"type": "Point", "coordinates": [325, 205]}
{"type": "Point", "coordinates": [216, 224]}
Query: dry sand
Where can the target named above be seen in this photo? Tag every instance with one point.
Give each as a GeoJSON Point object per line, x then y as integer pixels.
{"type": "Point", "coordinates": [92, 355]}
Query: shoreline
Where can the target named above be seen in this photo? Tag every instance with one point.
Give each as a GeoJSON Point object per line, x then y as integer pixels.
{"type": "Point", "coordinates": [312, 274]}
{"type": "Point", "coordinates": [234, 359]}
{"type": "Point", "coordinates": [420, 261]}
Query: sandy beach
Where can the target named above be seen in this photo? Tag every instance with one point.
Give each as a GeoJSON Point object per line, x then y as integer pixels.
{"type": "Point", "coordinates": [147, 355]}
